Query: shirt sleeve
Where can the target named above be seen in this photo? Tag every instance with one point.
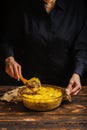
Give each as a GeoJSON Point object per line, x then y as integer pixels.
{"type": "Point", "coordinates": [13, 30]}
{"type": "Point", "coordinates": [80, 50]}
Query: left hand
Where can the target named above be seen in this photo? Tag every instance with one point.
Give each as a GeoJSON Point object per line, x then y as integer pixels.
{"type": "Point", "coordinates": [74, 85]}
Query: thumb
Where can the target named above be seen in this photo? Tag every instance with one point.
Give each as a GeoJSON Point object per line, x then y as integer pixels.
{"type": "Point", "coordinates": [69, 88]}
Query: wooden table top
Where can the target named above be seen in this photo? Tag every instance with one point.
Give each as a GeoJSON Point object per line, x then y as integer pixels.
{"type": "Point", "coordinates": [69, 116]}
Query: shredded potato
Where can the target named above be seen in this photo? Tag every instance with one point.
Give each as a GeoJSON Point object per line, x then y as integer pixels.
{"type": "Point", "coordinates": [46, 98]}
{"type": "Point", "coordinates": [45, 93]}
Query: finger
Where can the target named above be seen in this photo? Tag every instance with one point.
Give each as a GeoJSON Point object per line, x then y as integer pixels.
{"type": "Point", "coordinates": [10, 71]}
{"type": "Point", "coordinates": [75, 93]}
{"type": "Point", "coordinates": [69, 87]}
{"type": "Point", "coordinates": [16, 72]}
{"type": "Point", "coordinates": [19, 71]}
{"type": "Point", "coordinates": [68, 91]}
{"type": "Point", "coordinates": [76, 90]}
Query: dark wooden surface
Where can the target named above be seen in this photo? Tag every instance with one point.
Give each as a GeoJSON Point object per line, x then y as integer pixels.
{"type": "Point", "coordinates": [69, 116]}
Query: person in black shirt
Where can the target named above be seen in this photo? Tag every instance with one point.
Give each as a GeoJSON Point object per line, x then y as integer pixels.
{"type": "Point", "coordinates": [53, 37]}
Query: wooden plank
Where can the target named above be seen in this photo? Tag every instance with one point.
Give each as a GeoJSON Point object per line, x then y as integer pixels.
{"type": "Point", "coordinates": [42, 126]}
{"type": "Point", "coordinates": [46, 119]}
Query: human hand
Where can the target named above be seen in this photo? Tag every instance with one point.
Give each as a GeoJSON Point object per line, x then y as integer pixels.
{"type": "Point", "coordinates": [74, 85]}
{"type": "Point", "coordinates": [12, 68]}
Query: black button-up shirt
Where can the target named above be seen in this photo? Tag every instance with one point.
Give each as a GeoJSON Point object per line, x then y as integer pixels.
{"type": "Point", "coordinates": [55, 44]}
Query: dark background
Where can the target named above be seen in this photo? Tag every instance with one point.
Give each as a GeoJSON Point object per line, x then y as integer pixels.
{"type": "Point", "coordinates": [6, 8]}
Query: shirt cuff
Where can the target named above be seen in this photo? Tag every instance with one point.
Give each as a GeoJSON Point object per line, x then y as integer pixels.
{"type": "Point", "coordinates": [79, 69]}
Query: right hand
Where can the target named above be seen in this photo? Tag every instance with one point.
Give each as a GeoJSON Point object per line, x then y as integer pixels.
{"type": "Point", "coordinates": [12, 68]}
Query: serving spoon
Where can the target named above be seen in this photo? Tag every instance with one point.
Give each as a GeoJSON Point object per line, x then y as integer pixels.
{"type": "Point", "coordinates": [33, 84]}
{"type": "Point", "coordinates": [23, 80]}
